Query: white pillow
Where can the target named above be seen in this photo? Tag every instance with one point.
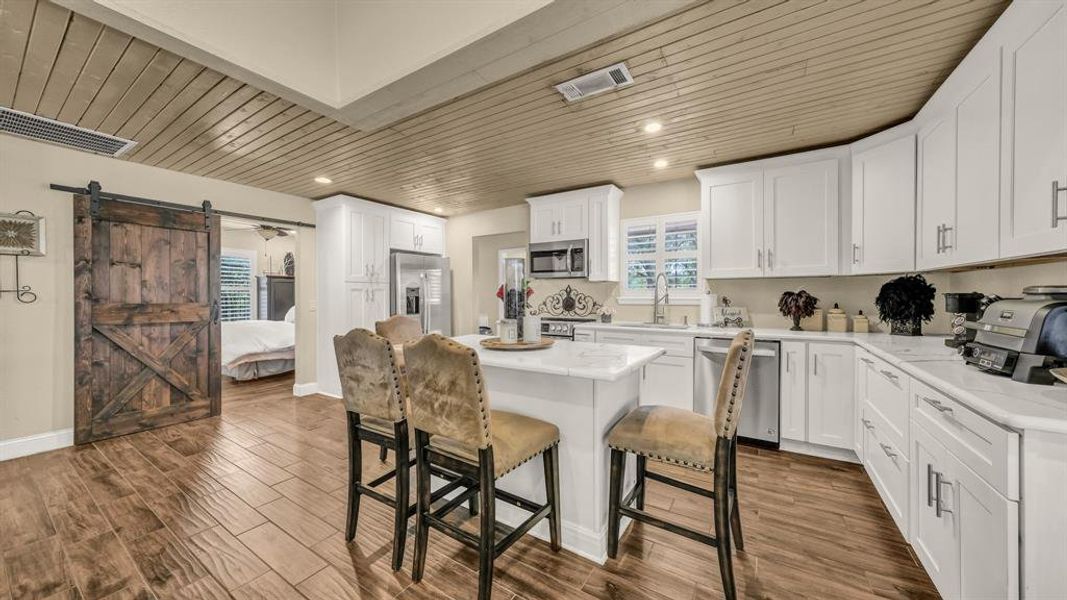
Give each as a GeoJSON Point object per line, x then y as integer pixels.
{"type": "Point", "coordinates": [290, 315]}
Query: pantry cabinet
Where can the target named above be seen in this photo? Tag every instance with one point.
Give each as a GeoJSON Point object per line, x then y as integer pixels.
{"type": "Point", "coordinates": [590, 214]}
{"type": "Point", "coordinates": [883, 207]}
{"type": "Point", "coordinates": [1033, 215]}
{"type": "Point", "coordinates": [773, 218]}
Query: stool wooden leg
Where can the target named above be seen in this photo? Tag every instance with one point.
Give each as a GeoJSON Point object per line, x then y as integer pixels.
{"type": "Point", "coordinates": [551, 464]}
{"type": "Point", "coordinates": [618, 458]}
{"type": "Point", "coordinates": [487, 536]}
{"type": "Point", "coordinates": [355, 473]}
{"type": "Point", "coordinates": [641, 466]}
{"type": "Point", "coordinates": [735, 513]}
{"type": "Point", "coordinates": [383, 453]}
{"type": "Point", "coordinates": [721, 509]}
{"type": "Point", "coordinates": [403, 499]}
{"type": "Point", "coordinates": [422, 528]}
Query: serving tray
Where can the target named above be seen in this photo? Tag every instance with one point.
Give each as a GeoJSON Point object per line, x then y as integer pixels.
{"type": "Point", "coordinates": [496, 344]}
{"type": "Point", "coordinates": [1060, 374]}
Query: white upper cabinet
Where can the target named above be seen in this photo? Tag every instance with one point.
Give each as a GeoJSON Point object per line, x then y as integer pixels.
{"type": "Point", "coordinates": [883, 208]}
{"type": "Point", "coordinates": [1033, 216]}
{"type": "Point", "coordinates": [773, 218]}
{"type": "Point", "coordinates": [590, 214]}
{"type": "Point", "coordinates": [800, 219]}
{"type": "Point", "coordinates": [368, 243]}
{"type": "Point", "coordinates": [416, 232]}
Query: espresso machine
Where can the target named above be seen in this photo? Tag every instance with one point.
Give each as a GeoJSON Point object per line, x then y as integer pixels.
{"type": "Point", "coordinates": [965, 307]}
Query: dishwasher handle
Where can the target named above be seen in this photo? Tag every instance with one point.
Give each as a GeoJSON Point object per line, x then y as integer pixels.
{"type": "Point", "coordinates": [724, 351]}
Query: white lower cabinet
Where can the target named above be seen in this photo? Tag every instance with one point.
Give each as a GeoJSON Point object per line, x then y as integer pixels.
{"type": "Point", "coordinates": [794, 391]}
{"type": "Point", "coordinates": [668, 380]}
{"type": "Point", "coordinates": [887, 465]}
{"type": "Point", "coordinates": [817, 393]}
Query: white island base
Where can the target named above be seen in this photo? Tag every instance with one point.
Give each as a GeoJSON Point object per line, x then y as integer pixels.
{"type": "Point", "coordinates": [584, 389]}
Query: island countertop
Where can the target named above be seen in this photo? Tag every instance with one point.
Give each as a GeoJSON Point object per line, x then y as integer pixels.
{"type": "Point", "coordinates": [584, 360]}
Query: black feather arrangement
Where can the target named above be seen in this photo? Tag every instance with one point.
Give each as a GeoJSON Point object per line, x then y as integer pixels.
{"type": "Point", "coordinates": [905, 303]}
{"type": "Point", "coordinates": [797, 305]}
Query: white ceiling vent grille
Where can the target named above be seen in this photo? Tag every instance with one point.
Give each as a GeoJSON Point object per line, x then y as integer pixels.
{"type": "Point", "coordinates": [47, 130]}
{"type": "Point", "coordinates": [597, 82]}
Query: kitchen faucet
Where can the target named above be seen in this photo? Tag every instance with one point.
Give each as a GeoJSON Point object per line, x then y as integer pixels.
{"type": "Point", "coordinates": [659, 316]}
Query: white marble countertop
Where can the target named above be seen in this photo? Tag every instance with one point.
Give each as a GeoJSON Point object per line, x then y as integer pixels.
{"type": "Point", "coordinates": [604, 362]}
{"type": "Point", "coordinates": [1016, 405]}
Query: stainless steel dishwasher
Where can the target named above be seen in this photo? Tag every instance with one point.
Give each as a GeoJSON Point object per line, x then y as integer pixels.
{"type": "Point", "coordinates": [762, 404]}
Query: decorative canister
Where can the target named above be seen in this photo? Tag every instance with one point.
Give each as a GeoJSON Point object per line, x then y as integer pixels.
{"type": "Point", "coordinates": [860, 323]}
{"type": "Point", "coordinates": [508, 330]}
{"type": "Point", "coordinates": [531, 329]}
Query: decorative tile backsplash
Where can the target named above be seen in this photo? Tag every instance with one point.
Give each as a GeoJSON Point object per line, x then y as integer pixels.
{"type": "Point", "coordinates": [570, 297]}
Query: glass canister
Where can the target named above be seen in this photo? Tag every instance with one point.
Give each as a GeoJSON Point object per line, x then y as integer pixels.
{"type": "Point", "coordinates": [508, 329]}
{"type": "Point", "coordinates": [515, 291]}
{"type": "Point", "coordinates": [531, 330]}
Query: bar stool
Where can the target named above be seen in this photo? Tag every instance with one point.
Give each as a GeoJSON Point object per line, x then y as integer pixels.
{"type": "Point", "coordinates": [690, 440]}
{"type": "Point", "coordinates": [376, 406]}
{"type": "Point", "coordinates": [397, 329]}
{"type": "Point", "coordinates": [456, 429]}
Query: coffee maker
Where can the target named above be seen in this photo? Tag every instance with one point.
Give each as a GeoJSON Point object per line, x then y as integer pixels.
{"type": "Point", "coordinates": [965, 307]}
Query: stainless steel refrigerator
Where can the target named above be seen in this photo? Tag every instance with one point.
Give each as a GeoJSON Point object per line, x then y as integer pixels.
{"type": "Point", "coordinates": [422, 288]}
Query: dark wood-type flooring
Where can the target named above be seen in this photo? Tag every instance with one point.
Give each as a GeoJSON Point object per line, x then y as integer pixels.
{"type": "Point", "coordinates": [251, 505]}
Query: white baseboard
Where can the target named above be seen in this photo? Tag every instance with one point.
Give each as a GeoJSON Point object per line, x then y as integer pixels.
{"type": "Point", "coordinates": [820, 451]}
{"type": "Point", "coordinates": [35, 444]}
{"type": "Point", "coordinates": [305, 389]}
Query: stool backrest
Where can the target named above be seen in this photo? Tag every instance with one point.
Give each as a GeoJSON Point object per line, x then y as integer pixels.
{"type": "Point", "coordinates": [448, 391]}
{"type": "Point", "coordinates": [399, 329]}
{"type": "Point", "coordinates": [732, 385]}
{"type": "Point", "coordinates": [370, 377]}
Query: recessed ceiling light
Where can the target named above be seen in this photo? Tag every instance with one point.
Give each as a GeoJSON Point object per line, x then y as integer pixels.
{"type": "Point", "coordinates": [661, 163]}
{"type": "Point", "coordinates": [323, 180]}
{"type": "Point", "coordinates": [653, 127]}
{"type": "Point", "coordinates": [438, 210]}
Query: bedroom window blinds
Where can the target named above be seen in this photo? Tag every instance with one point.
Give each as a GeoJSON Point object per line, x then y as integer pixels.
{"type": "Point", "coordinates": [236, 293]}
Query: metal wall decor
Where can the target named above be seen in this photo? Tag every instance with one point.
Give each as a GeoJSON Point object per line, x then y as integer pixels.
{"type": "Point", "coordinates": [21, 235]}
{"type": "Point", "coordinates": [568, 302]}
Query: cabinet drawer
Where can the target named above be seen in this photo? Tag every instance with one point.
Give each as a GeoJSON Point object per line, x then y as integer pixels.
{"type": "Point", "coordinates": [681, 346]}
{"type": "Point", "coordinates": [584, 336]}
{"type": "Point", "coordinates": [887, 393]}
{"type": "Point", "coordinates": [888, 466]}
{"type": "Point", "coordinates": [988, 449]}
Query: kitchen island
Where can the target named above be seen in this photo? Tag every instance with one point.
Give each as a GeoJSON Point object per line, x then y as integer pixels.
{"type": "Point", "coordinates": [582, 388]}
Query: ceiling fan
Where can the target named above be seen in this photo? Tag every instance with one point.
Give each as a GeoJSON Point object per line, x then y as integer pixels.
{"type": "Point", "coordinates": [269, 232]}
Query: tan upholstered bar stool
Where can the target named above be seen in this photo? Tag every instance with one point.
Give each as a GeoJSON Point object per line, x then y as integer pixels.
{"type": "Point", "coordinates": [398, 329]}
{"type": "Point", "coordinates": [691, 440]}
{"type": "Point", "coordinates": [376, 406]}
{"type": "Point", "coordinates": [456, 429]}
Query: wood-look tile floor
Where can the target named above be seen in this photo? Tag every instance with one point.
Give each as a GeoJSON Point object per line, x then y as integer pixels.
{"type": "Point", "coordinates": [252, 505]}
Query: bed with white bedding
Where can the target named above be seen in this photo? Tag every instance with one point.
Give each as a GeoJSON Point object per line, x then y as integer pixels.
{"type": "Point", "coordinates": [254, 349]}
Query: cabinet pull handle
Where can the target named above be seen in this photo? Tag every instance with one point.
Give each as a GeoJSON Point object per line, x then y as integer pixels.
{"type": "Point", "coordinates": [939, 507]}
{"type": "Point", "coordinates": [787, 363]}
{"type": "Point", "coordinates": [937, 404]}
{"type": "Point", "coordinates": [888, 450]}
{"type": "Point", "coordinates": [770, 258]}
{"type": "Point", "coordinates": [929, 484]}
{"type": "Point", "coordinates": [759, 258]}
{"type": "Point", "coordinates": [867, 361]}
{"type": "Point", "coordinates": [815, 364]}
{"type": "Point", "coordinates": [855, 248]}
{"type": "Point", "coordinates": [945, 246]}
{"type": "Point", "coordinates": [867, 424]}
{"type": "Point", "coordinates": [940, 233]}
{"type": "Point", "coordinates": [1056, 218]}
{"type": "Point", "coordinates": [889, 374]}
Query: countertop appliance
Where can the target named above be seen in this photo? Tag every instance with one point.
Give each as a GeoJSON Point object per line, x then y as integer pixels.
{"type": "Point", "coordinates": [562, 328]}
{"type": "Point", "coordinates": [421, 287]}
{"type": "Point", "coordinates": [966, 307]}
{"type": "Point", "coordinates": [762, 404]}
{"type": "Point", "coordinates": [554, 260]}
{"type": "Point", "coordinates": [1023, 337]}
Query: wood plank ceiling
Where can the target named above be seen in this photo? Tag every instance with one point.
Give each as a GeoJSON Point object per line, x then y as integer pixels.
{"type": "Point", "coordinates": [728, 80]}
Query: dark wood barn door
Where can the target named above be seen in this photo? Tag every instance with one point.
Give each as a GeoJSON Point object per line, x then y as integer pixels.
{"type": "Point", "coordinates": [147, 337]}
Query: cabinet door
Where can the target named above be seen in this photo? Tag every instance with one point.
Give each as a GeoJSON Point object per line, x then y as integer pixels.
{"type": "Point", "coordinates": [368, 251]}
{"type": "Point", "coordinates": [987, 537]}
{"type": "Point", "coordinates": [973, 236]}
{"type": "Point", "coordinates": [933, 536]}
{"type": "Point", "coordinates": [430, 237]}
{"type": "Point", "coordinates": [573, 218]}
{"type": "Point", "coordinates": [543, 217]}
{"type": "Point", "coordinates": [830, 389]}
{"type": "Point", "coordinates": [862, 370]}
{"type": "Point", "coordinates": [794, 391]}
{"type": "Point", "coordinates": [1035, 132]}
{"type": "Point", "coordinates": [937, 190]}
{"type": "Point", "coordinates": [668, 381]}
{"type": "Point", "coordinates": [800, 220]}
{"type": "Point", "coordinates": [733, 206]}
{"type": "Point", "coordinates": [402, 231]}
{"type": "Point", "coordinates": [883, 208]}
{"type": "Point", "coordinates": [602, 254]}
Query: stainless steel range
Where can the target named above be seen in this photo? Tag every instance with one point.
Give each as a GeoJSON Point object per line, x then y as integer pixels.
{"type": "Point", "coordinates": [562, 327]}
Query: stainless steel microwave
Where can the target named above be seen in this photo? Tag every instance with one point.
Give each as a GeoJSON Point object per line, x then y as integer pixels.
{"type": "Point", "coordinates": [558, 259]}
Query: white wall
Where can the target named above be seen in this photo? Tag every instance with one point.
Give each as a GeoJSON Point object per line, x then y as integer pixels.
{"type": "Point", "coordinates": [37, 340]}
{"type": "Point", "coordinates": [269, 253]}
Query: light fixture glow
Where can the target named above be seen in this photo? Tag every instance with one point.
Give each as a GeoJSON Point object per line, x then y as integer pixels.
{"type": "Point", "coordinates": [661, 163]}
{"type": "Point", "coordinates": [653, 127]}
{"type": "Point", "coordinates": [323, 180]}
{"type": "Point", "coordinates": [438, 210]}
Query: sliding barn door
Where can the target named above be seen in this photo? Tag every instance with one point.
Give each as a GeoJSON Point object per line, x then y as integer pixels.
{"type": "Point", "coordinates": [146, 288]}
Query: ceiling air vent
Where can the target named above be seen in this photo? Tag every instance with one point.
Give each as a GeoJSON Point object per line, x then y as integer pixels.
{"type": "Point", "coordinates": [47, 130]}
{"type": "Point", "coordinates": [597, 82]}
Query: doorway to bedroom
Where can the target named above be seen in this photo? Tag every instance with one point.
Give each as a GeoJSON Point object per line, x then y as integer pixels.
{"type": "Point", "coordinates": [257, 299]}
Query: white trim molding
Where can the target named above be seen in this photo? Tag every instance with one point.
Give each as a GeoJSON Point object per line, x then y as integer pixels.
{"type": "Point", "coordinates": [305, 389]}
{"type": "Point", "coordinates": [35, 444]}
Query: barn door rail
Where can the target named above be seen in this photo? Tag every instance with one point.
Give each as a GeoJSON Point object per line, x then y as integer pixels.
{"type": "Point", "coordinates": [96, 193]}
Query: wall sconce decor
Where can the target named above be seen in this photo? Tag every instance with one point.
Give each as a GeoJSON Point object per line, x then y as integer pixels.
{"type": "Point", "coordinates": [21, 235]}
